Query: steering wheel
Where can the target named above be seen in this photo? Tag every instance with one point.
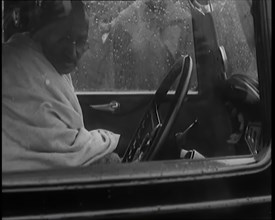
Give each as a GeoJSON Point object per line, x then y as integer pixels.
{"type": "Point", "coordinates": [154, 129]}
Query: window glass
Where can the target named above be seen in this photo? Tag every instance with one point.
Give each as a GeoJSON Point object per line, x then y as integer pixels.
{"type": "Point", "coordinates": [134, 44]}
{"type": "Point", "coordinates": [235, 32]}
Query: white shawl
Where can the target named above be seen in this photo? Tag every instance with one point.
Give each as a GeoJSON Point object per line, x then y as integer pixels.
{"type": "Point", "coordinates": [42, 122]}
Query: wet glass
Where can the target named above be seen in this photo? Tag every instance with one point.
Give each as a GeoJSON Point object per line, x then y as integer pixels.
{"type": "Point", "coordinates": [133, 45]}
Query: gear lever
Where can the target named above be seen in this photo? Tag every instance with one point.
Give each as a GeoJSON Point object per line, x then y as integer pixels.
{"type": "Point", "coordinates": [180, 136]}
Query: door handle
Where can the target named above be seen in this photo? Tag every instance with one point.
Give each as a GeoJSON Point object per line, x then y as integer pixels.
{"type": "Point", "coordinates": [113, 106]}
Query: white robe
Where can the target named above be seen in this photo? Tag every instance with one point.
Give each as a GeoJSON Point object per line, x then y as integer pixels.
{"type": "Point", "coordinates": [42, 122]}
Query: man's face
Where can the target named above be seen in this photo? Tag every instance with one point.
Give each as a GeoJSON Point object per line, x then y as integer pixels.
{"type": "Point", "coordinates": [65, 42]}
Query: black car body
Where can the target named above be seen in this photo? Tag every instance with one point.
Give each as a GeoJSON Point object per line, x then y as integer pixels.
{"type": "Point", "coordinates": [223, 185]}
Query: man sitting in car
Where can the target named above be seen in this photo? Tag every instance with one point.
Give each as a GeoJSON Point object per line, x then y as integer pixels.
{"type": "Point", "coordinates": [42, 122]}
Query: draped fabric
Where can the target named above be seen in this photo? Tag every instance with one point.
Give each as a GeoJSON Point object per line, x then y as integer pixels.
{"type": "Point", "coordinates": [42, 122]}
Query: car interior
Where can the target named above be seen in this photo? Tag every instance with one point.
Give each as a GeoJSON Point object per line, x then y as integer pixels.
{"type": "Point", "coordinates": [186, 84]}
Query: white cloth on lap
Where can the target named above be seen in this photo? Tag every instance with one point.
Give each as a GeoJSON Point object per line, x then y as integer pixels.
{"type": "Point", "coordinates": [42, 122]}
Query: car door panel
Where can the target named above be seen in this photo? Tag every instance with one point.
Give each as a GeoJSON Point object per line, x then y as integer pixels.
{"type": "Point", "coordinates": [212, 117]}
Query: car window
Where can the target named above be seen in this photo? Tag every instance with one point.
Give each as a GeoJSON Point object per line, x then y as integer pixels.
{"type": "Point", "coordinates": [132, 48]}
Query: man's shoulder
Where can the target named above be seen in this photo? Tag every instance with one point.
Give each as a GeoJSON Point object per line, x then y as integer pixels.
{"type": "Point", "coordinates": [19, 49]}
{"type": "Point", "coordinates": [18, 42]}
{"type": "Point", "coordinates": [14, 48]}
